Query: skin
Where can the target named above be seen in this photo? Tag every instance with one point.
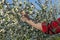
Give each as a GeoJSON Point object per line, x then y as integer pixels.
{"type": "Point", "coordinates": [30, 22]}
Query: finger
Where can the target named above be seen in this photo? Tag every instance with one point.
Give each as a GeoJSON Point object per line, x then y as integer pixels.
{"type": "Point", "coordinates": [22, 19]}
{"type": "Point", "coordinates": [23, 12]}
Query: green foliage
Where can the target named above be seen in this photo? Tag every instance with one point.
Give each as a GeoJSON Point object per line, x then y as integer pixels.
{"type": "Point", "coordinates": [13, 28]}
{"type": "Point", "coordinates": [0, 6]}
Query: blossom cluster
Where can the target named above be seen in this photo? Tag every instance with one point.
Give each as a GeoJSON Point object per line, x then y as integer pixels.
{"type": "Point", "coordinates": [13, 28]}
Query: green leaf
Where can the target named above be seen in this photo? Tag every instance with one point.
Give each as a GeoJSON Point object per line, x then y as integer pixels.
{"type": "Point", "coordinates": [1, 6]}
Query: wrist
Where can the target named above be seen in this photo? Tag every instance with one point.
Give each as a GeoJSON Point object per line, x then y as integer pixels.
{"type": "Point", "coordinates": [27, 16]}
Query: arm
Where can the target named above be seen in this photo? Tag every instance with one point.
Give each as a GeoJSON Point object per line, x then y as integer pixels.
{"type": "Point", "coordinates": [42, 26]}
{"type": "Point", "coordinates": [38, 25]}
{"type": "Point", "coordinates": [30, 22]}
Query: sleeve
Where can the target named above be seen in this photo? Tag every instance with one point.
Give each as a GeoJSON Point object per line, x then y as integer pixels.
{"type": "Point", "coordinates": [49, 28]}
{"type": "Point", "coordinates": [44, 27]}
{"type": "Point", "coordinates": [58, 19]}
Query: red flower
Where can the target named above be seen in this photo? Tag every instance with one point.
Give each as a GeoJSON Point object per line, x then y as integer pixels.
{"type": "Point", "coordinates": [54, 24]}
{"type": "Point", "coordinates": [58, 29]}
{"type": "Point", "coordinates": [58, 19]}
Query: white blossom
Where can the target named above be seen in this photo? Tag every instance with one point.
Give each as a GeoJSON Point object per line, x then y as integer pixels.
{"type": "Point", "coordinates": [46, 0]}
{"type": "Point", "coordinates": [2, 30]}
{"type": "Point", "coordinates": [20, 2]}
{"type": "Point", "coordinates": [24, 2]}
{"type": "Point", "coordinates": [16, 9]}
{"type": "Point", "coordinates": [30, 12]}
{"type": "Point", "coordinates": [2, 1]}
{"type": "Point", "coordinates": [1, 11]}
{"type": "Point", "coordinates": [3, 19]}
{"type": "Point", "coordinates": [5, 6]}
{"type": "Point", "coordinates": [15, 0]}
{"type": "Point", "coordinates": [27, 7]}
{"type": "Point", "coordinates": [32, 6]}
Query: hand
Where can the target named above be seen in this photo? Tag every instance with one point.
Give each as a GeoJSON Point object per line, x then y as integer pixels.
{"type": "Point", "coordinates": [24, 19]}
{"type": "Point", "coordinates": [23, 13]}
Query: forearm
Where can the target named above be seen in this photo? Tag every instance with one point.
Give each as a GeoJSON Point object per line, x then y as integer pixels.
{"type": "Point", "coordinates": [32, 23]}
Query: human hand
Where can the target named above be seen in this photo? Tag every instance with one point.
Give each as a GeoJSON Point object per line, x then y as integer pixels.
{"type": "Point", "coordinates": [23, 13]}
{"type": "Point", "coordinates": [24, 19]}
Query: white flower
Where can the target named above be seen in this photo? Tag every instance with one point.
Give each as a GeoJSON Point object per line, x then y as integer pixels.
{"type": "Point", "coordinates": [27, 7]}
{"type": "Point", "coordinates": [11, 17]}
{"type": "Point", "coordinates": [13, 11]}
{"type": "Point", "coordinates": [32, 29]}
{"type": "Point", "coordinates": [3, 19]}
{"type": "Point", "coordinates": [24, 2]}
{"type": "Point", "coordinates": [15, 0]}
{"type": "Point", "coordinates": [8, 18]}
{"type": "Point", "coordinates": [16, 9]}
{"type": "Point", "coordinates": [30, 12]}
{"type": "Point", "coordinates": [15, 23]}
{"type": "Point", "coordinates": [32, 6]}
{"type": "Point", "coordinates": [44, 19]}
{"type": "Point", "coordinates": [2, 12]}
{"type": "Point", "coordinates": [8, 25]}
{"type": "Point", "coordinates": [51, 10]}
{"type": "Point", "coordinates": [7, 3]}
{"type": "Point", "coordinates": [37, 12]}
{"type": "Point", "coordinates": [25, 35]}
{"type": "Point", "coordinates": [46, 0]}
{"type": "Point", "coordinates": [2, 1]}
{"type": "Point", "coordinates": [58, 16]}
{"type": "Point", "coordinates": [12, 24]}
{"type": "Point", "coordinates": [2, 30]}
{"type": "Point", "coordinates": [19, 26]}
{"type": "Point", "coordinates": [43, 5]}
{"type": "Point", "coordinates": [5, 6]}
{"type": "Point", "coordinates": [20, 2]}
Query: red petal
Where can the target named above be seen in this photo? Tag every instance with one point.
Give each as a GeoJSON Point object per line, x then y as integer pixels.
{"type": "Point", "coordinates": [58, 19]}
{"type": "Point", "coordinates": [58, 29]}
{"type": "Point", "coordinates": [54, 24]}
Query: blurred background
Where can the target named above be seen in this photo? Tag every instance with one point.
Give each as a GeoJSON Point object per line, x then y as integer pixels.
{"type": "Point", "coordinates": [13, 28]}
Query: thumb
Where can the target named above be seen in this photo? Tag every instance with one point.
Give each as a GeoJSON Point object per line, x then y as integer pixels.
{"type": "Point", "coordinates": [23, 13]}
